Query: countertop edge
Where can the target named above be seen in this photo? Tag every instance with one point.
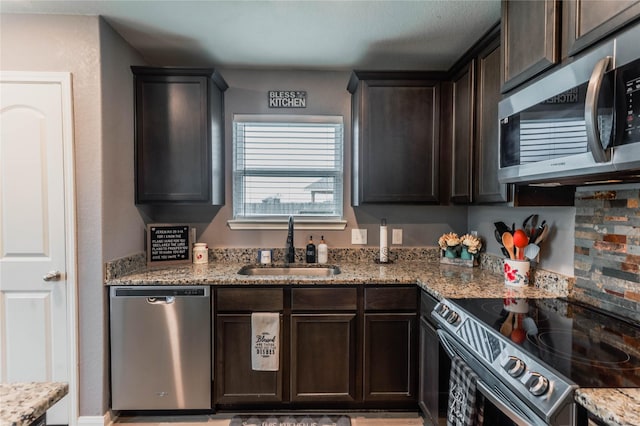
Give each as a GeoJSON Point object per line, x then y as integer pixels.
{"type": "Point", "coordinates": [23, 403]}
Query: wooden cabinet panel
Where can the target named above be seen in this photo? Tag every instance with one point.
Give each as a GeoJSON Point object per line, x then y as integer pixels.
{"type": "Point", "coordinates": [463, 126]}
{"type": "Point", "coordinates": [586, 22]}
{"type": "Point", "coordinates": [487, 188]}
{"type": "Point", "coordinates": [530, 39]}
{"type": "Point", "coordinates": [390, 298]}
{"type": "Point", "coordinates": [390, 357]}
{"type": "Point", "coordinates": [324, 299]}
{"type": "Point", "coordinates": [179, 136]}
{"type": "Point", "coordinates": [323, 357]}
{"type": "Point", "coordinates": [249, 299]}
{"type": "Point", "coordinates": [236, 382]}
{"type": "Point", "coordinates": [395, 138]}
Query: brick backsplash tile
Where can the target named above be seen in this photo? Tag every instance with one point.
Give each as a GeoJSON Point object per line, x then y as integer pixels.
{"type": "Point", "coordinates": [607, 249]}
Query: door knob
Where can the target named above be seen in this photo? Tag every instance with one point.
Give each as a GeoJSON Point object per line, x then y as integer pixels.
{"type": "Point", "coordinates": [51, 276]}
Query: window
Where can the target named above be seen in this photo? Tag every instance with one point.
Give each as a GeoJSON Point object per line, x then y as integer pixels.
{"type": "Point", "coordinates": [287, 165]}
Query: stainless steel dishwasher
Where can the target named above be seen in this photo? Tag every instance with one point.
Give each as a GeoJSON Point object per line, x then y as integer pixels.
{"type": "Point", "coordinates": [160, 348]}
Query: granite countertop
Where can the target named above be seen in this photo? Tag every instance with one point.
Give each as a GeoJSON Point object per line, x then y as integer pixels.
{"type": "Point", "coordinates": [23, 403]}
{"type": "Point", "coordinates": [612, 406]}
{"type": "Point", "coordinates": [438, 279]}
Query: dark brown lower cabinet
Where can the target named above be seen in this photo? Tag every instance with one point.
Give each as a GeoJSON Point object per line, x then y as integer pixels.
{"type": "Point", "coordinates": [323, 357]}
{"type": "Point", "coordinates": [236, 382]}
{"type": "Point", "coordinates": [350, 347]}
{"type": "Point", "coordinates": [389, 357]}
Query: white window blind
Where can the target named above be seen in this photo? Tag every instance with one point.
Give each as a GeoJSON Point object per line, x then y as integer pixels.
{"type": "Point", "coordinates": [287, 165]}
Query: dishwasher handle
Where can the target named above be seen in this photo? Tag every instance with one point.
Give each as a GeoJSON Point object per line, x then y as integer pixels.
{"type": "Point", "coordinates": [161, 300]}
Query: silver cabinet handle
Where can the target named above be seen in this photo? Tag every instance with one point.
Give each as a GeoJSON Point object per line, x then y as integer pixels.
{"type": "Point", "coordinates": [600, 155]}
{"type": "Point", "coordinates": [51, 276]}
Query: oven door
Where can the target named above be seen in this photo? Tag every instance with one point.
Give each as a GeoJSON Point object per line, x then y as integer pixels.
{"type": "Point", "coordinates": [501, 407]}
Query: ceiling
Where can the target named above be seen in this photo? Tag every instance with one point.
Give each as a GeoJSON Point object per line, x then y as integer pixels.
{"type": "Point", "coordinates": [302, 34]}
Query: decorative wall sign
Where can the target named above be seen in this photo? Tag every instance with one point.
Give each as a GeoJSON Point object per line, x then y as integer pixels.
{"type": "Point", "coordinates": [287, 99]}
{"type": "Point", "coordinates": [168, 243]}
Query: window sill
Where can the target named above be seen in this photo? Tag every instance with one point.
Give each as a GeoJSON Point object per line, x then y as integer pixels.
{"type": "Point", "coordinates": [267, 224]}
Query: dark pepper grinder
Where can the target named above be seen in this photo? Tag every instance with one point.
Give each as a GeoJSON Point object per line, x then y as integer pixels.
{"type": "Point", "coordinates": [311, 251]}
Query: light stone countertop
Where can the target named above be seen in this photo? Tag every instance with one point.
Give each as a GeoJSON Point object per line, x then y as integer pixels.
{"type": "Point", "coordinates": [612, 406]}
{"type": "Point", "coordinates": [439, 280]}
{"type": "Point", "coordinates": [23, 403]}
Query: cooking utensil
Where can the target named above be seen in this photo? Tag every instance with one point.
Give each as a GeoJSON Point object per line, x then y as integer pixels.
{"type": "Point", "coordinates": [525, 224]}
{"type": "Point", "coordinates": [542, 236]}
{"type": "Point", "coordinates": [534, 225]}
{"type": "Point", "coordinates": [538, 231]}
{"type": "Point", "coordinates": [507, 242]}
{"type": "Point", "coordinates": [502, 227]}
{"type": "Point", "coordinates": [520, 241]}
{"type": "Point", "coordinates": [531, 251]}
{"type": "Point", "coordinates": [507, 325]}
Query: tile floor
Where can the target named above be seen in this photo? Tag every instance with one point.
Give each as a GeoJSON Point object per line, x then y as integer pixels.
{"type": "Point", "coordinates": [357, 419]}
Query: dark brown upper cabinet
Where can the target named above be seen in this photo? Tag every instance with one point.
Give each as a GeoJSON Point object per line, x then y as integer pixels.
{"type": "Point", "coordinates": [395, 125]}
{"type": "Point", "coordinates": [586, 22]}
{"type": "Point", "coordinates": [463, 92]}
{"type": "Point", "coordinates": [530, 39]}
{"type": "Point", "coordinates": [470, 125]}
{"type": "Point", "coordinates": [486, 187]}
{"type": "Point", "coordinates": [179, 136]}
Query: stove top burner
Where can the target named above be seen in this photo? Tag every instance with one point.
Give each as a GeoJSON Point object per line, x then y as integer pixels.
{"type": "Point", "coordinates": [603, 355]}
{"type": "Point", "coordinates": [590, 348]}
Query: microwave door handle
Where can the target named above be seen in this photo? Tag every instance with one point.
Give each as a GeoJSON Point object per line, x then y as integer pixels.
{"type": "Point", "coordinates": [600, 154]}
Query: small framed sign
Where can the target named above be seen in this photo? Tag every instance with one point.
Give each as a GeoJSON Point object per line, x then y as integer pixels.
{"type": "Point", "coordinates": [287, 99]}
{"type": "Point", "coordinates": [168, 243]}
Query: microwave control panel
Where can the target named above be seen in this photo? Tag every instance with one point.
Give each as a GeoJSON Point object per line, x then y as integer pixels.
{"type": "Point", "coordinates": [631, 80]}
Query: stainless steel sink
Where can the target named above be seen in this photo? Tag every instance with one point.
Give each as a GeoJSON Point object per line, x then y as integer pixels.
{"type": "Point", "coordinates": [291, 270]}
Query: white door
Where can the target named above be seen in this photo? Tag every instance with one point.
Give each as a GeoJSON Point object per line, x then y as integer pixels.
{"type": "Point", "coordinates": [37, 234]}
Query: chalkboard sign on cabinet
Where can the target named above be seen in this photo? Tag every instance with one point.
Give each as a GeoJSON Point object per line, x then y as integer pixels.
{"type": "Point", "coordinates": [168, 243]}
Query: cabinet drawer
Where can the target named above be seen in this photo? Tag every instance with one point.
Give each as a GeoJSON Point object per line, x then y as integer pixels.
{"type": "Point", "coordinates": [254, 299]}
{"type": "Point", "coordinates": [324, 299]}
{"type": "Point", "coordinates": [391, 298]}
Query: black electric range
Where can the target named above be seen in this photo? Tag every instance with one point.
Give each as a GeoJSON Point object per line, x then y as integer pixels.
{"type": "Point", "coordinates": [536, 352]}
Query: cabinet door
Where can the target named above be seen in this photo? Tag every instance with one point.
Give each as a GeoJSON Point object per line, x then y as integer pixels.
{"type": "Point", "coordinates": [323, 357]}
{"type": "Point", "coordinates": [173, 155]}
{"type": "Point", "coordinates": [462, 148]}
{"type": "Point", "coordinates": [487, 188]}
{"type": "Point", "coordinates": [396, 156]}
{"type": "Point", "coordinates": [530, 39]}
{"type": "Point", "coordinates": [390, 357]}
{"type": "Point", "coordinates": [586, 22]}
{"type": "Point", "coordinates": [236, 382]}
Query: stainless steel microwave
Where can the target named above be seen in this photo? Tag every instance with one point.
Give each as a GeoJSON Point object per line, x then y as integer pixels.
{"type": "Point", "coordinates": [578, 125]}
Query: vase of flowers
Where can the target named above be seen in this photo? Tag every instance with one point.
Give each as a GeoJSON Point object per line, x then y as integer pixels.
{"type": "Point", "coordinates": [450, 243]}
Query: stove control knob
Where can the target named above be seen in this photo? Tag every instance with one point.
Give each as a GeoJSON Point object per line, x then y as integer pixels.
{"type": "Point", "coordinates": [515, 366]}
{"type": "Point", "coordinates": [453, 318]}
{"type": "Point", "coordinates": [442, 310]}
{"type": "Point", "coordinates": [538, 384]}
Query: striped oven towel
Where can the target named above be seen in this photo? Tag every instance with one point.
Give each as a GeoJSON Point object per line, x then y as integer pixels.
{"type": "Point", "coordinates": [466, 407]}
{"type": "Point", "coordinates": [265, 341]}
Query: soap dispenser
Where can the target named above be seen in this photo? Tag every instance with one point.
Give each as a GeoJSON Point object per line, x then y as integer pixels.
{"type": "Point", "coordinates": [311, 251]}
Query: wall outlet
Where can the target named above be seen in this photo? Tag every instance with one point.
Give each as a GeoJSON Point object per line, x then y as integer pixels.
{"type": "Point", "coordinates": [358, 236]}
{"type": "Point", "coordinates": [396, 236]}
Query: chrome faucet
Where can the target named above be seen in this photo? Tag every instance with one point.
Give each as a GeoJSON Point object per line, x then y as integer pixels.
{"type": "Point", "coordinates": [290, 250]}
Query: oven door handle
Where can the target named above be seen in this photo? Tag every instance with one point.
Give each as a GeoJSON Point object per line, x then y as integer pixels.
{"type": "Point", "coordinates": [518, 418]}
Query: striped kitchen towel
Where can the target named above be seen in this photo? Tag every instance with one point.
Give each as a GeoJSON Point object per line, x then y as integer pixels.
{"type": "Point", "coordinates": [465, 407]}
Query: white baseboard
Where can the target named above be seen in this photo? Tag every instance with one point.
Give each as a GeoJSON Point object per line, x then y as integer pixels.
{"type": "Point", "coordinates": [106, 420]}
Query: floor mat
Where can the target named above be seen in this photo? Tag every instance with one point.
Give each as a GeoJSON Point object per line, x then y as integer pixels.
{"type": "Point", "coordinates": [299, 420]}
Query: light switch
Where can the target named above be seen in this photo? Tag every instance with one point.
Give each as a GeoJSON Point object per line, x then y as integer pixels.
{"type": "Point", "coordinates": [358, 236]}
{"type": "Point", "coordinates": [396, 236]}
